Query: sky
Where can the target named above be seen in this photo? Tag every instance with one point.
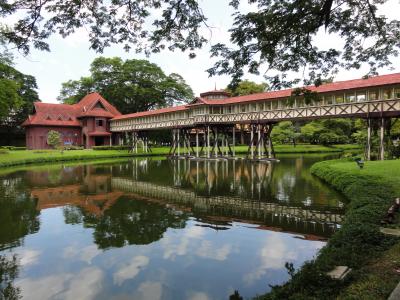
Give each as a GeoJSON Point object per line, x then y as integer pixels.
{"type": "Point", "coordinates": [70, 57]}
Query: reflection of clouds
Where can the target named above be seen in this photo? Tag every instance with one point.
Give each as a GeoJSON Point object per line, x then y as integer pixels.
{"type": "Point", "coordinates": [85, 254]}
{"type": "Point", "coordinates": [207, 250]}
{"type": "Point", "coordinates": [273, 255]}
{"type": "Point", "coordinates": [191, 242]}
{"type": "Point", "coordinates": [149, 290]}
{"type": "Point", "coordinates": [84, 285]}
{"type": "Point", "coordinates": [198, 296]}
{"type": "Point", "coordinates": [191, 238]}
{"type": "Point", "coordinates": [130, 270]}
{"type": "Point", "coordinates": [172, 250]}
{"type": "Point", "coordinates": [28, 257]}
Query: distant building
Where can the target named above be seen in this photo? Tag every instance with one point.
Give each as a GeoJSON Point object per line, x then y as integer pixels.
{"type": "Point", "coordinates": [85, 123]}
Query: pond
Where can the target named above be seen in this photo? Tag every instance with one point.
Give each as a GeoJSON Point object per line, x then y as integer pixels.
{"type": "Point", "coordinates": [160, 229]}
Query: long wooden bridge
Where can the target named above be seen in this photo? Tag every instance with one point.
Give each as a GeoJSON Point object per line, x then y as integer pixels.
{"type": "Point", "coordinates": [210, 123]}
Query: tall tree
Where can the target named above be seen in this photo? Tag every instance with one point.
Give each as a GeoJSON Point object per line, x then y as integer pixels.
{"type": "Point", "coordinates": [278, 35]}
{"type": "Point", "coordinates": [17, 95]}
{"type": "Point", "coordinates": [131, 85]}
{"type": "Point", "coordinates": [247, 87]}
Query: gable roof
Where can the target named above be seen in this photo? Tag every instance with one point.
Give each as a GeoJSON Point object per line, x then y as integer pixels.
{"type": "Point", "coordinates": [52, 114]}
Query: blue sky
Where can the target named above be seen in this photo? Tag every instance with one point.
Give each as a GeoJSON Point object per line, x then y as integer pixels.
{"type": "Point", "coordinates": [70, 58]}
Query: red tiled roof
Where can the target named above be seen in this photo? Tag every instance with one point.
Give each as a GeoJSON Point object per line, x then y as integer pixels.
{"type": "Point", "coordinates": [152, 112]}
{"type": "Point", "coordinates": [51, 114]}
{"type": "Point", "coordinates": [325, 88]}
{"type": "Point", "coordinates": [87, 106]}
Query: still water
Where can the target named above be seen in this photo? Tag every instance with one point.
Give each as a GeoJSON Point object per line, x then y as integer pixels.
{"type": "Point", "coordinates": [160, 229]}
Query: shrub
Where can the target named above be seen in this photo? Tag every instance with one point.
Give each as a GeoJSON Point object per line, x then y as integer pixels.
{"type": "Point", "coordinates": [125, 147]}
{"type": "Point", "coordinates": [4, 151]}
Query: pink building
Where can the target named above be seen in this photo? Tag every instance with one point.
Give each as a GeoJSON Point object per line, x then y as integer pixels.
{"type": "Point", "coordinates": [85, 123]}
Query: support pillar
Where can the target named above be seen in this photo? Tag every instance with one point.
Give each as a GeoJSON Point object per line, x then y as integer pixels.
{"type": "Point", "coordinates": [216, 141]}
{"type": "Point", "coordinates": [208, 141]}
{"type": "Point", "coordinates": [368, 150]}
{"type": "Point", "coordinates": [179, 142]}
{"type": "Point", "coordinates": [197, 144]}
{"type": "Point", "coordinates": [252, 140]}
{"type": "Point", "coordinates": [233, 140]}
{"type": "Point", "coordinates": [382, 140]}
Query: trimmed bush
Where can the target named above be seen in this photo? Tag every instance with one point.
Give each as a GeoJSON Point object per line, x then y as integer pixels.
{"type": "Point", "coordinates": [112, 147]}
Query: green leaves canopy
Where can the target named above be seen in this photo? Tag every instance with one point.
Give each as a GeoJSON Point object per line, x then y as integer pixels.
{"type": "Point", "coordinates": [279, 35]}
{"type": "Point", "coordinates": [130, 85]}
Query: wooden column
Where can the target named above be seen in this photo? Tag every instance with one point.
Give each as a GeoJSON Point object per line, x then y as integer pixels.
{"type": "Point", "coordinates": [252, 140]}
{"type": "Point", "coordinates": [233, 140]}
{"type": "Point", "coordinates": [382, 140]}
{"type": "Point", "coordinates": [208, 141]}
{"type": "Point", "coordinates": [197, 144]}
{"type": "Point", "coordinates": [179, 142]}
{"type": "Point", "coordinates": [216, 141]}
{"type": "Point", "coordinates": [368, 150]}
{"type": "Point", "coordinates": [259, 140]}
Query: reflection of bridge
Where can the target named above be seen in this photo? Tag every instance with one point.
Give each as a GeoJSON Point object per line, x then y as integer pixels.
{"type": "Point", "coordinates": [249, 209]}
{"type": "Point", "coordinates": [210, 121]}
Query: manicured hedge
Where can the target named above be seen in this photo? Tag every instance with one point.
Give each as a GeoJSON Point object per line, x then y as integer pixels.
{"type": "Point", "coordinates": [112, 147]}
{"type": "Point", "coordinates": [13, 148]}
{"type": "Point", "coordinates": [357, 242]}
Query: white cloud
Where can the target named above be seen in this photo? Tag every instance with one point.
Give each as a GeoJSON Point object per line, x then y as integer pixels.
{"type": "Point", "coordinates": [149, 290]}
{"type": "Point", "coordinates": [208, 250]}
{"type": "Point", "coordinates": [85, 254]}
{"type": "Point", "coordinates": [273, 255]}
{"type": "Point", "coordinates": [83, 285]}
{"type": "Point", "coordinates": [130, 270]}
{"type": "Point", "coordinates": [28, 257]}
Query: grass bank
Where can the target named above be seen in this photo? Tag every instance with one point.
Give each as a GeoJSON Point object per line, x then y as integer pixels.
{"type": "Point", "coordinates": [15, 158]}
{"type": "Point", "coordinates": [374, 258]}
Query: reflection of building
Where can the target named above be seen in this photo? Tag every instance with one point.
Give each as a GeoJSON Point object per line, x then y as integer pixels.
{"type": "Point", "coordinates": [84, 123]}
{"type": "Point", "coordinates": [94, 195]}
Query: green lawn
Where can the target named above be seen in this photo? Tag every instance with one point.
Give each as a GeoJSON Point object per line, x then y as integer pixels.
{"type": "Point", "coordinates": [13, 158]}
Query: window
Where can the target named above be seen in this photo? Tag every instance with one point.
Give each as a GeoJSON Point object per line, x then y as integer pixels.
{"type": "Point", "coordinates": [397, 93]}
{"type": "Point", "coordinates": [387, 94]}
{"type": "Point", "coordinates": [373, 95]}
{"type": "Point", "coordinates": [243, 108]}
{"type": "Point", "coordinates": [300, 102]}
{"type": "Point", "coordinates": [350, 98]}
{"type": "Point", "coordinates": [339, 99]}
{"type": "Point", "coordinates": [260, 106]}
{"type": "Point", "coordinates": [99, 123]}
{"type": "Point", "coordinates": [275, 104]}
{"type": "Point", "coordinates": [329, 100]}
{"type": "Point", "coordinates": [253, 107]}
{"type": "Point", "coordinates": [361, 96]}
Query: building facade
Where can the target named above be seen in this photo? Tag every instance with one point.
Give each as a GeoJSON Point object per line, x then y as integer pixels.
{"type": "Point", "coordinates": [86, 123]}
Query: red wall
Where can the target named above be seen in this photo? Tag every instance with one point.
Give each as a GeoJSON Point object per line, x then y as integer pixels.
{"type": "Point", "coordinates": [36, 137]}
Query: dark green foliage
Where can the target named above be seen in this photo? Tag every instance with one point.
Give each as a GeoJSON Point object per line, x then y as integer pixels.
{"type": "Point", "coordinates": [356, 243]}
{"type": "Point", "coordinates": [132, 85]}
{"type": "Point", "coordinates": [8, 273]}
{"type": "Point", "coordinates": [247, 87]}
{"type": "Point", "coordinates": [13, 148]}
{"type": "Point", "coordinates": [277, 36]}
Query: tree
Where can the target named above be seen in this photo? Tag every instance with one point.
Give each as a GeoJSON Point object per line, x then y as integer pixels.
{"type": "Point", "coordinates": [326, 132]}
{"type": "Point", "coordinates": [131, 85]}
{"type": "Point", "coordinates": [247, 87]}
{"type": "Point", "coordinates": [285, 132]}
{"type": "Point", "coordinates": [278, 35]}
{"type": "Point", "coordinates": [53, 138]}
{"type": "Point", "coordinates": [17, 95]}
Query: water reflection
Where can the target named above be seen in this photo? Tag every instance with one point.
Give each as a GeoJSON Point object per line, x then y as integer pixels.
{"type": "Point", "coordinates": [156, 229]}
